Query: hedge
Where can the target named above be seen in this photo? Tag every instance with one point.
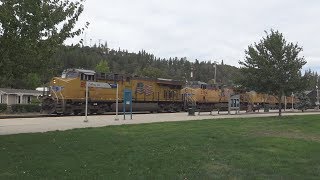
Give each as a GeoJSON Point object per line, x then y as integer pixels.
{"type": "Point", "coordinates": [23, 108]}
{"type": "Point", "coordinates": [3, 108]}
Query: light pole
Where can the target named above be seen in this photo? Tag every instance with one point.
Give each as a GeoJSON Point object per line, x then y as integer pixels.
{"type": "Point", "coordinates": [215, 72]}
{"type": "Point", "coordinates": [191, 73]}
{"type": "Point", "coordinates": [292, 96]}
{"type": "Point", "coordinates": [317, 103]}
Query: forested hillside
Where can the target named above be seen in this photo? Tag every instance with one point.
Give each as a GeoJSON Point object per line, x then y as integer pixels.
{"type": "Point", "coordinates": [142, 64]}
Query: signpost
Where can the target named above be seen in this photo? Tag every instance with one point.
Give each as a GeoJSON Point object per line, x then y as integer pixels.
{"type": "Point", "coordinates": [96, 85]}
{"type": "Point", "coordinates": [127, 100]}
{"type": "Point", "coordinates": [117, 103]}
{"type": "Point", "coordinates": [234, 104]}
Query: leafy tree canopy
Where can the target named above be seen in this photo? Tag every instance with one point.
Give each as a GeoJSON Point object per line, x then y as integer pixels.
{"type": "Point", "coordinates": [102, 67]}
{"type": "Point", "coordinates": [30, 32]}
{"type": "Point", "coordinates": [304, 101]}
{"type": "Point", "coordinates": [273, 66]}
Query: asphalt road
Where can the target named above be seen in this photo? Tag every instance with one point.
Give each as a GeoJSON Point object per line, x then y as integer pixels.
{"type": "Point", "coordinates": [44, 124]}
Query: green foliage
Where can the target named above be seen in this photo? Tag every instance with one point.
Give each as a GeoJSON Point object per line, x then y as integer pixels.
{"type": "Point", "coordinates": [311, 77]}
{"type": "Point", "coordinates": [33, 81]}
{"type": "Point", "coordinates": [35, 101]}
{"type": "Point", "coordinates": [30, 33]}
{"type": "Point", "coordinates": [102, 67]}
{"type": "Point", "coordinates": [3, 108]}
{"type": "Point", "coordinates": [24, 108]}
{"type": "Point", "coordinates": [273, 66]}
{"type": "Point", "coordinates": [152, 72]}
{"type": "Point", "coordinates": [304, 101]}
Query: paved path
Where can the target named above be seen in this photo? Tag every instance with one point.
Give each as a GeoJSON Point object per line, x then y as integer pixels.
{"type": "Point", "coordinates": [44, 124]}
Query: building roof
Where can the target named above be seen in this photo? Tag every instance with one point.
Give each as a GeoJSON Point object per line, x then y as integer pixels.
{"type": "Point", "coordinates": [19, 91]}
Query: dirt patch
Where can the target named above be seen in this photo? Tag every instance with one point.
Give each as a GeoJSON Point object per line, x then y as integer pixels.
{"type": "Point", "coordinates": [288, 134]}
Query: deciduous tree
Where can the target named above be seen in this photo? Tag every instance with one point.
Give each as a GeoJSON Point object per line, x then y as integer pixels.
{"type": "Point", "coordinates": [273, 66]}
{"type": "Point", "coordinates": [102, 67]}
{"type": "Point", "coordinates": [30, 32]}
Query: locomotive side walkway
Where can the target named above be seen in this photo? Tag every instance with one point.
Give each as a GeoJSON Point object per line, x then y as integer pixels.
{"type": "Point", "coordinates": [44, 124]}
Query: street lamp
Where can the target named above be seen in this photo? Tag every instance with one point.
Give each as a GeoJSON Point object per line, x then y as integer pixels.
{"type": "Point", "coordinates": [292, 96]}
{"type": "Point", "coordinates": [317, 103]}
{"type": "Point", "coordinates": [215, 72]}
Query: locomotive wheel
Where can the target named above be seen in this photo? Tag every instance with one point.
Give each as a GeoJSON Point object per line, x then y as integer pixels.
{"type": "Point", "coordinates": [76, 112]}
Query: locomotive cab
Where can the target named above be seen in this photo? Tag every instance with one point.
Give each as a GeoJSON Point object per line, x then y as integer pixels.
{"type": "Point", "coordinates": [85, 75]}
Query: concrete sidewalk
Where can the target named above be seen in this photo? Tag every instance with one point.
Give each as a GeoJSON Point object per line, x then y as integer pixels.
{"type": "Point", "coordinates": [44, 124]}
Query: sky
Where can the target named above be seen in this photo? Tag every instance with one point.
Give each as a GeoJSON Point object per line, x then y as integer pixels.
{"type": "Point", "coordinates": [203, 29]}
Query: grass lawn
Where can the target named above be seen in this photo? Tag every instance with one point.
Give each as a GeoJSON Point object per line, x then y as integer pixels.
{"type": "Point", "coordinates": [255, 148]}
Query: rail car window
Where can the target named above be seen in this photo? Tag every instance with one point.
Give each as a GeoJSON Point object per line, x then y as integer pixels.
{"type": "Point", "coordinates": [140, 85]}
{"type": "Point", "coordinates": [110, 77]}
{"type": "Point", "coordinates": [118, 77]}
{"type": "Point", "coordinates": [170, 94]}
{"type": "Point", "coordinates": [72, 75]}
{"type": "Point", "coordinates": [203, 86]}
{"type": "Point", "coordinates": [87, 77]}
{"type": "Point", "coordinates": [90, 77]}
{"type": "Point", "coordinates": [102, 75]}
{"type": "Point", "coordinates": [128, 79]}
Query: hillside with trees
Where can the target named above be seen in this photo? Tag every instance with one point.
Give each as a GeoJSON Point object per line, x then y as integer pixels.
{"type": "Point", "coordinates": [142, 64]}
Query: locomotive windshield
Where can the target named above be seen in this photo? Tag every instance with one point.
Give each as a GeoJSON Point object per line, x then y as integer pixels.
{"type": "Point", "coordinates": [70, 74]}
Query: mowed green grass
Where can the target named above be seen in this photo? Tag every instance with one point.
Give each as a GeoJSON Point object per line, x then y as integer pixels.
{"type": "Point", "coordinates": [255, 148]}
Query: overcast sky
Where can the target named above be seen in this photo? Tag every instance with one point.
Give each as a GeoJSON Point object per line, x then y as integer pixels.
{"type": "Point", "coordinates": [203, 29]}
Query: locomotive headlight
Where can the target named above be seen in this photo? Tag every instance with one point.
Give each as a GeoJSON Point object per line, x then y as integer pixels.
{"type": "Point", "coordinates": [54, 81]}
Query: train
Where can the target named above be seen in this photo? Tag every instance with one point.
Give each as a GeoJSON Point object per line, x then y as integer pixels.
{"type": "Point", "coordinates": [67, 94]}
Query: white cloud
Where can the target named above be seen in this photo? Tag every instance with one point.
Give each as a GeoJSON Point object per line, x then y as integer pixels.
{"type": "Point", "coordinates": [203, 29]}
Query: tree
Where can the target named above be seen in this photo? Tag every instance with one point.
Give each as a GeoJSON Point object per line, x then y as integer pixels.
{"type": "Point", "coordinates": [304, 101]}
{"type": "Point", "coordinates": [30, 33]}
{"type": "Point", "coordinates": [102, 67]}
{"type": "Point", "coordinates": [152, 72]}
{"type": "Point", "coordinates": [273, 66]}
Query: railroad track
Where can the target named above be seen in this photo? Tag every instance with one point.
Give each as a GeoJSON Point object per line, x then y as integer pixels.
{"type": "Point", "coordinates": [15, 116]}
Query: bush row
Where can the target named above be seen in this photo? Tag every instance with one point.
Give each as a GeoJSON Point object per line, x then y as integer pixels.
{"type": "Point", "coordinates": [3, 108]}
{"type": "Point", "coordinates": [23, 108]}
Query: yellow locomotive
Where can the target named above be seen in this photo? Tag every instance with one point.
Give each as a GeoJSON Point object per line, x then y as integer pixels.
{"type": "Point", "coordinates": [67, 93]}
{"type": "Point", "coordinates": [207, 97]}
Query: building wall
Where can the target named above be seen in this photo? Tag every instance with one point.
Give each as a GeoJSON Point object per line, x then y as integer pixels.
{"type": "Point", "coordinates": [11, 99]}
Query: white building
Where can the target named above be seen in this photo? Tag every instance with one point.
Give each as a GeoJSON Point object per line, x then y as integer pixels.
{"type": "Point", "coordinates": [17, 96]}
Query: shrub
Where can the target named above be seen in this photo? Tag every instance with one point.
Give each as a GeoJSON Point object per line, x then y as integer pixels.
{"type": "Point", "coordinates": [3, 108]}
{"type": "Point", "coordinates": [22, 108]}
{"type": "Point", "coordinates": [35, 101]}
